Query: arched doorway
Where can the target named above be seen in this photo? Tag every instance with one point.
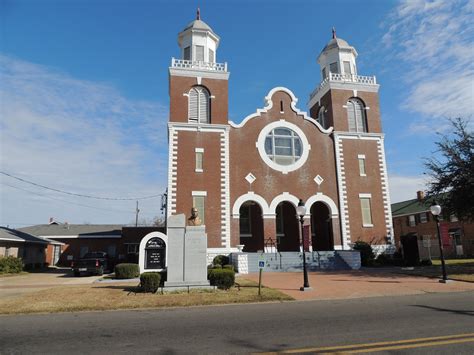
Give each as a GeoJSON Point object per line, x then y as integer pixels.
{"type": "Point", "coordinates": [287, 228]}
{"type": "Point", "coordinates": [251, 226]}
{"type": "Point", "coordinates": [321, 227]}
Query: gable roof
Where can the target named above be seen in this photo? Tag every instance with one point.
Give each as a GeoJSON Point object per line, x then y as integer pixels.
{"type": "Point", "coordinates": [410, 207]}
{"type": "Point", "coordinates": [84, 230]}
{"type": "Point", "coordinates": [15, 235]}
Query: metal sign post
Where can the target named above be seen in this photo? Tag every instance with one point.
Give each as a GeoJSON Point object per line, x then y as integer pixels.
{"type": "Point", "coordinates": [261, 265]}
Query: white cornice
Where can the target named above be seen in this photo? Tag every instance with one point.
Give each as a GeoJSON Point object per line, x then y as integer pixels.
{"type": "Point", "coordinates": [208, 74]}
{"type": "Point", "coordinates": [358, 135]}
{"type": "Point", "coordinates": [269, 104]}
{"type": "Point", "coordinates": [203, 127]}
{"type": "Point", "coordinates": [350, 86]}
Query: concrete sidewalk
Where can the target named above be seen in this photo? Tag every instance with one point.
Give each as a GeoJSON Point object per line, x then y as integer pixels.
{"type": "Point", "coordinates": [355, 284]}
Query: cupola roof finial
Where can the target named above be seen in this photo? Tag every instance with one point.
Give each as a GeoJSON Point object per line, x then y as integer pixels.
{"type": "Point", "coordinates": [198, 14]}
{"type": "Point", "coordinates": [333, 32]}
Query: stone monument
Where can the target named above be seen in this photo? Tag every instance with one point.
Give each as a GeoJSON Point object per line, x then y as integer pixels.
{"type": "Point", "coordinates": [187, 254]}
{"type": "Point", "coordinates": [153, 252]}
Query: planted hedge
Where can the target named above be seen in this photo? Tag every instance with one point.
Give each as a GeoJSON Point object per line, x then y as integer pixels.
{"type": "Point", "coordinates": [221, 278]}
{"type": "Point", "coordinates": [10, 264]}
{"type": "Point", "coordinates": [220, 260]}
{"type": "Point", "coordinates": [150, 281]}
{"type": "Point", "coordinates": [126, 271]}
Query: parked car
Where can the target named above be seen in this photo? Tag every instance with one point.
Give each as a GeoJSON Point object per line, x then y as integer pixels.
{"type": "Point", "coordinates": [95, 263]}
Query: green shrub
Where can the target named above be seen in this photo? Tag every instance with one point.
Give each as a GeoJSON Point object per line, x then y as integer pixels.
{"type": "Point", "coordinates": [10, 264]}
{"type": "Point", "coordinates": [222, 278]}
{"type": "Point", "coordinates": [384, 260]}
{"type": "Point", "coordinates": [228, 266]}
{"type": "Point", "coordinates": [126, 271]}
{"type": "Point", "coordinates": [150, 281]}
{"type": "Point", "coordinates": [220, 260]}
{"type": "Point", "coordinates": [366, 253]}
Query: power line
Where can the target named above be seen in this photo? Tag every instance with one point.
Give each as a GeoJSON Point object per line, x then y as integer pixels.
{"type": "Point", "coordinates": [70, 202]}
{"type": "Point", "coordinates": [80, 195]}
{"type": "Point", "coordinates": [61, 200]}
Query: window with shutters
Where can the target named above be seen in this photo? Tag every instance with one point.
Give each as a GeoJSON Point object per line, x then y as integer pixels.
{"type": "Point", "coordinates": [347, 68]}
{"type": "Point", "coordinates": [322, 117]}
{"type": "Point", "coordinates": [356, 116]}
{"type": "Point", "coordinates": [411, 220]}
{"type": "Point", "coordinates": [187, 53]}
{"type": "Point", "coordinates": [200, 53]}
{"type": "Point", "coordinates": [198, 108]}
{"type": "Point", "coordinates": [211, 56]}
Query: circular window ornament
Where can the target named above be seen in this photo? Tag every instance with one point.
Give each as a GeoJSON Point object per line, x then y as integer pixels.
{"type": "Point", "coordinates": [283, 146]}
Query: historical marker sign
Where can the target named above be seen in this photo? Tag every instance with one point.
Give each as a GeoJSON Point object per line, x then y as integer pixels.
{"type": "Point", "coordinates": [155, 254]}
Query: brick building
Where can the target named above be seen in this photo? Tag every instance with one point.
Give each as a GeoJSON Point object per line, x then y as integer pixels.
{"type": "Point", "coordinates": [416, 233]}
{"type": "Point", "coordinates": [246, 178]}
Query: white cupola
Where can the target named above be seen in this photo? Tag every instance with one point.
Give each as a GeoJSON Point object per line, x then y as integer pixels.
{"type": "Point", "coordinates": [198, 42]}
{"type": "Point", "coordinates": [338, 57]}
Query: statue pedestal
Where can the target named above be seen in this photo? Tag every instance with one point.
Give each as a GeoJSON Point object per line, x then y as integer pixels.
{"type": "Point", "coordinates": [187, 255]}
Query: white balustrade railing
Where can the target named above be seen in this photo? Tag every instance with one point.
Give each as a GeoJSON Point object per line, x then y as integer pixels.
{"type": "Point", "coordinates": [197, 64]}
{"type": "Point", "coordinates": [345, 78]}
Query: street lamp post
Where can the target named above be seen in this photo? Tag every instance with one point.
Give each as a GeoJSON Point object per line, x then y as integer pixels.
{"type": "Point", "coordinates": [435, 211]}
{"type": "Point", "coordinates": [301, 211]}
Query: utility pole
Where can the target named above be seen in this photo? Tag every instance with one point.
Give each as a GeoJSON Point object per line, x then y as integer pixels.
{"type": "Point", "coordinates": [136, 215]}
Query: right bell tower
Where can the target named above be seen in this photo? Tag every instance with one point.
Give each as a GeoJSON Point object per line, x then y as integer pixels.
{"type": "Point", "coordinates": [349, 103]}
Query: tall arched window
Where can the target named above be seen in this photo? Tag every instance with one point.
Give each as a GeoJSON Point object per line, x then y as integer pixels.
{"type": "Point", "coordinates": [198, 109]}
{"type": "Point", "coordinates": [322, 116]}
{"type": "Point", "coordinates": [356, 116]}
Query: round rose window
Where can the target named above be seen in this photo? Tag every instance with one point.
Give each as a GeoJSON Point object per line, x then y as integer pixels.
{"type": "Point", "coordinates": [283, 146]}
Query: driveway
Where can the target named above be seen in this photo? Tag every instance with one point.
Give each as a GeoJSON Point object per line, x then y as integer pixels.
{"type": "Point", "coordinates": [12, 286]}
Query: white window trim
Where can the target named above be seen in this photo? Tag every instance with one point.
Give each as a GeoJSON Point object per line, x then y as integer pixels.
{"type": "Point", "coordinates": [285, 169]}
{"type": "Point", "coordinates": [359, 157]}
{"type": "Point", "coordinates": [199, 193]}
{"type": "Point", "coordinates": [199, 150]}
{"type": "Point", "coordinates": [369, 196]}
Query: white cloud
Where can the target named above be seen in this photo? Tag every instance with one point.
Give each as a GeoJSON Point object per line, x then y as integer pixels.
{"type": "Point", "coordinates": [433, 42]}
{"type": "Point", "coordinates": [404, 188]}
{"type": "Point", "coordinates": [77, 136]}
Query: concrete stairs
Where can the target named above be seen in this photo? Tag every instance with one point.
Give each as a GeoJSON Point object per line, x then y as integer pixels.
{"type": "Point", "coordinates": [293, 261]}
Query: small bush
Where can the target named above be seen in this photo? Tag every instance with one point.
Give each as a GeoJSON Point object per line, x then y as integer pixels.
{"type": "Point", "coordinates": [10, 264]}
{"type": "Point", "coordinates": [366, 253]}
{"type": "Point", "coordinates": [222, 278]}
{"type": "Point", "coordinates": [228, 266]}
{"type": "Point", "coordinates": [426, 262]}
{"type": "Point", "coordinates": [150, 281]}
{"type": "Point", "coordinates": [220, 260]}
{"type": "Point", "coordinates": [126, 271]}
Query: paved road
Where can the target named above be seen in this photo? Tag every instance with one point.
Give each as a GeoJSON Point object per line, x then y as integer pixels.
{"type": "Point", "coordinates": [248, 328]}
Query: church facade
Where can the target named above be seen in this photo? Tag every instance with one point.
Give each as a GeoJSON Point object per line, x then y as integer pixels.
{"type": "Point", "coordinates": [246, 179]}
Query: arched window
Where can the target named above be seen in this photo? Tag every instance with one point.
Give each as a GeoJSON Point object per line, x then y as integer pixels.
{"type": "Point", "coordinates": [198, 109]}
{"type": "Point", "coordinates": [322, 116]}
{"type": "Point", "coordinates": [356, 116]}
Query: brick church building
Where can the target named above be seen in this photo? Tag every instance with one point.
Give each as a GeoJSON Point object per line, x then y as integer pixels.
{"type": "Point", "coordinates": [247, 178]}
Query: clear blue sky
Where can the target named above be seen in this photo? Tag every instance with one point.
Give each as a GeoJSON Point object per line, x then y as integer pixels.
{"type": "Point", "coordinates": [85, 87]}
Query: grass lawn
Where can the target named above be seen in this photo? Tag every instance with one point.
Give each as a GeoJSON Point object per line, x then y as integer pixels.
{"type": "Point", "coordinates": [456, 269]}
{"type": "Point", "coordinates": [122, 296]}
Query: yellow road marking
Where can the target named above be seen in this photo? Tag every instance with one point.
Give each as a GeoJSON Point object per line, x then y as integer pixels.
{"type": "Point", "coordinates": [411, 346]}
{"type": "Point", "coordinates": [356, 346]}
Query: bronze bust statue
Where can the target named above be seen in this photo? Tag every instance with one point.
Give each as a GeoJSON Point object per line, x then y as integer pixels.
{"type": "Point", "coordinates": [194, 220]}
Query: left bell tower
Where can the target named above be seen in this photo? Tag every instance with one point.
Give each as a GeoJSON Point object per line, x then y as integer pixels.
{"type": "Point", "coordinates": [198, 132]}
